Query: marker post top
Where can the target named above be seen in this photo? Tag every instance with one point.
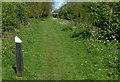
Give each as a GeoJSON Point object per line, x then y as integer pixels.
{"type": "Point", "coordinates": [17, 40]}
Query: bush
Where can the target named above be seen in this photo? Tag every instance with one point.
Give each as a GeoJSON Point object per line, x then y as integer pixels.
{"type": "Point", "coordinates": [106, 18]}
{"type": "Point", "coordinates": [16, 13]}
{"type": "Point", "coordinates": [9, 17]}
{"type": "Point", "coordinates": [82, 34]}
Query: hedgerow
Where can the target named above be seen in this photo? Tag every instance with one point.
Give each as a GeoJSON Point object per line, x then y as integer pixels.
{"type": "Point", "coordinates": [16, 13]}
{"type": "Point", "coordinates": [103, 16]}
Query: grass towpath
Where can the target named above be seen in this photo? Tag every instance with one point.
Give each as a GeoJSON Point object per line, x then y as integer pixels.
{"type": "Point", "coordinates": [50, 54]}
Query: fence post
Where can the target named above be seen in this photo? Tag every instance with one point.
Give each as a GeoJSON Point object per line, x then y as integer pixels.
{"type": "Point", "coordinates": [19, 58]}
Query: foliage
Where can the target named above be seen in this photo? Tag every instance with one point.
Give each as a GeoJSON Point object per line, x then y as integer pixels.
{"type": "Point", "coordinates": [21, 12]}
{"type": "Point", "coordinates": [107, 19]}
{"type": "Point", "coordinates": [9, 17]}
{"type": "Point", "coordinates": [103, 15]}
{"type": "Point", "coordinates": [37, 10]}
{"type": "Point", "coordinates": [83, 34]}
{"type": "Point", "coordinates": [75, 11]}
{"type": "Point", "coordinates": [16, 13]}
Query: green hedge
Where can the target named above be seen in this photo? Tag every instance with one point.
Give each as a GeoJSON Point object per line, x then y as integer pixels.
{"type": "Point", "coordinates": [103, 15]}
{"type": "Point", "coordinates": [16, 13]}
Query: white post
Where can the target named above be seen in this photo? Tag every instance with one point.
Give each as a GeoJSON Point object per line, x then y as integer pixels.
{"type": "Point", "coordinates": [19, 58]}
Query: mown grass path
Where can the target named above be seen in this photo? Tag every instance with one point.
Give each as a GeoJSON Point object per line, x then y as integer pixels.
{"type": "Point", "coordinates": [50, 54]}
{"type": "Point", "coordinates": [53, 52]}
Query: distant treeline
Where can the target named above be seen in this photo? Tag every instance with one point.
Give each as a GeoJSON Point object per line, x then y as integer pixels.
{"type": "Point", "coordinates": [105, 16]}
{"type": "Point", "coordinates": [16, 13]}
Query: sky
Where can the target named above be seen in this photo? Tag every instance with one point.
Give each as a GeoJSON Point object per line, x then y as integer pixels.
{"type": "Point", "coordinates": [58, 4]}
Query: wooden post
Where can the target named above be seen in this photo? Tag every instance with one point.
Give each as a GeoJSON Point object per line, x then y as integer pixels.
{"type": "Point", "coordinates": [19, 58]}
